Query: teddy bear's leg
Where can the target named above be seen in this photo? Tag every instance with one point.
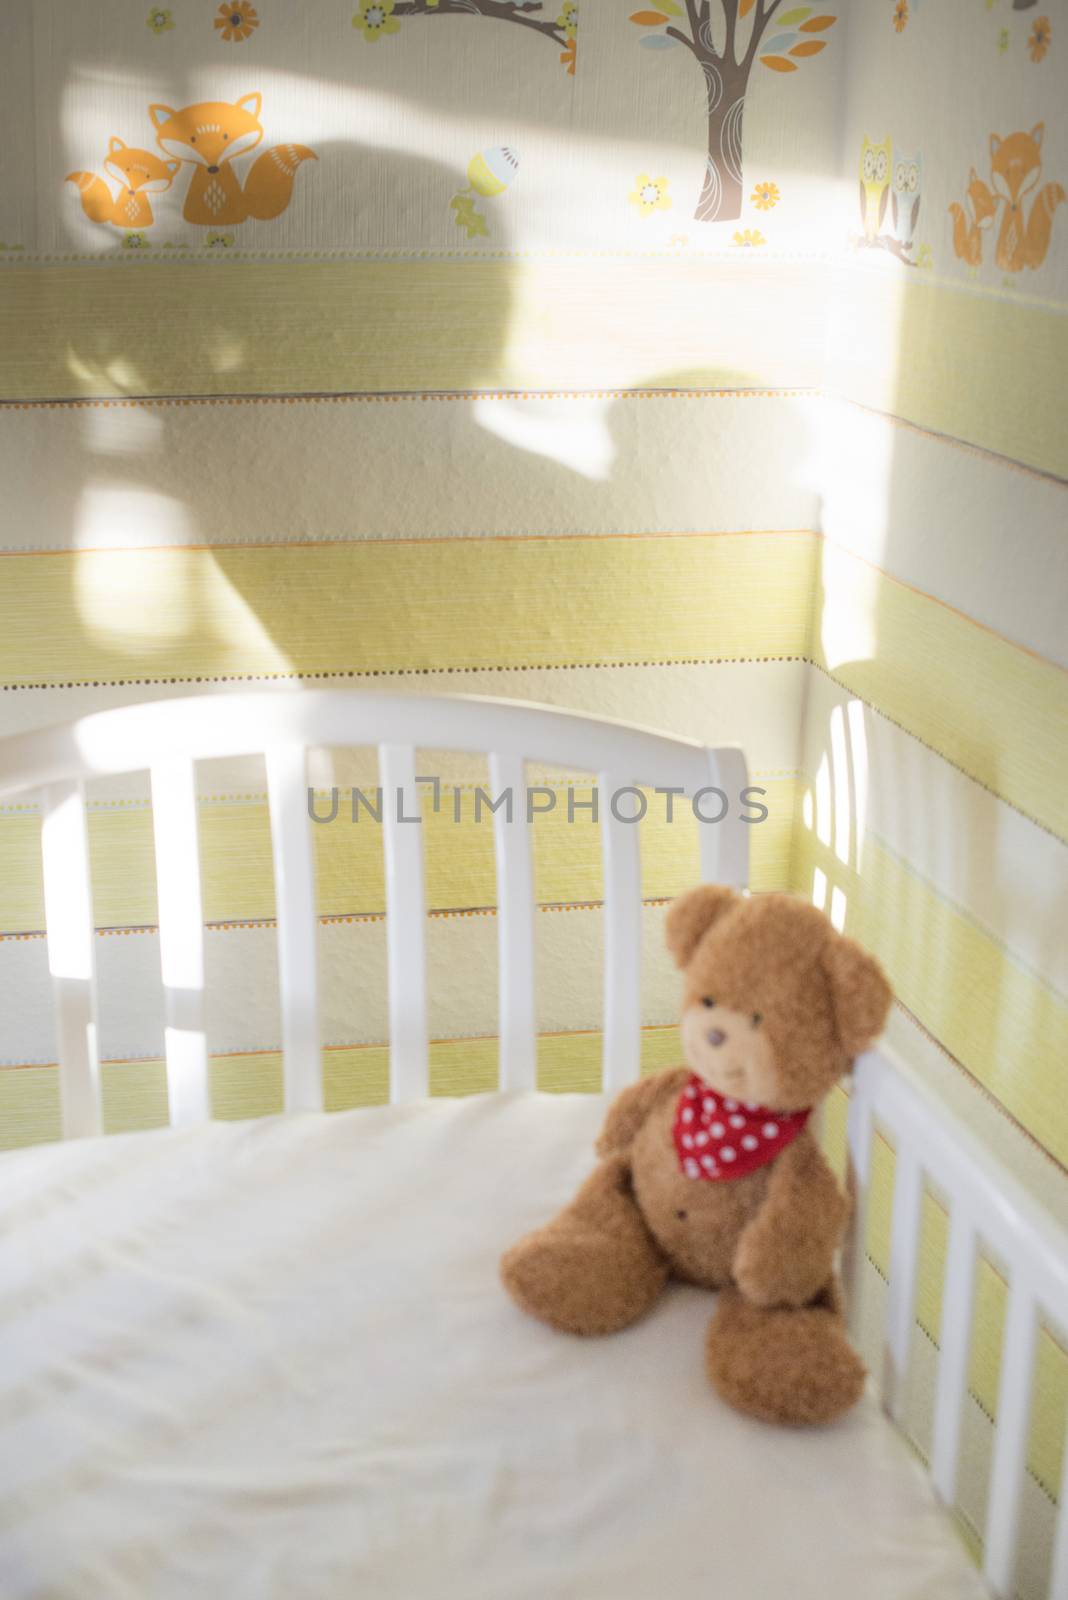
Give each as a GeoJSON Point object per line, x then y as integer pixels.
{"type": "Point", "coordinates": [595, 1268]}
{"type": "Point", "coordinates": [783, 1364]}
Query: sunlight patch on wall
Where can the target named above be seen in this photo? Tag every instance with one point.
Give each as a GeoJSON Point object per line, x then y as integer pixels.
{"type": "Point", "coordinates": [824, 807]}
{"type": "Point", "coordinates": [111, 515]}
{"type": "Point", "coordinates": [853, 456]}
{"type": "Point", "coordinates": [842, 785]}
{"type": "Point", "coordinates": [858, 757]}
{"type": "Point", "coordinates": [142, 602]}
{"type": "Point", "coordinates": [119, 374]}
{"type": "Point", "coordinates": [572, 433]}
{"type": "Point", "coordinates": [847, 608]}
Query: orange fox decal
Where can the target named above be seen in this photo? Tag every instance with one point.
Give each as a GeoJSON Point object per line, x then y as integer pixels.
{"type": "Point", "coordinates": [968, 231]}
{"type": "Point", "coordinates": [138, 173]}
{"type": "Point", "coordinates": [209, 136]}
{"type": "Point", "coordinates": [1015, 168]}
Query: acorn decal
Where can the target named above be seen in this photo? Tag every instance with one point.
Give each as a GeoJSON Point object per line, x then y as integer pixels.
{"type": "Point", "coordinates": [488, 174]}
{"type": "Point", "coordinates": [493, 170]}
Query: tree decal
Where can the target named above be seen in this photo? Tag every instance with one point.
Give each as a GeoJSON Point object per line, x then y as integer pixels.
{"type": "Point", "coordinates": [377, 18]}
{"type": "Point", "coordinates": [727, 73]}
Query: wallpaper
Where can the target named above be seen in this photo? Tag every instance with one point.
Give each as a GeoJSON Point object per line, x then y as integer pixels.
{"type": "Point", "coordinates": [459, 126]}
{"type": "Point", "coordinates": [698, 363]}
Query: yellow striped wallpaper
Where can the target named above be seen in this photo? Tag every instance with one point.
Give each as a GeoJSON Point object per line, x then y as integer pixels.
{"type": "Point", "coordinates": [987, 1010]}
{"type": "Point", "coordinates": [250, 1084]}
{"type": "Point", "coordinates": [988, 706]}
{"type": "Point", "coordinates": [406, 327]}
{"type": "Point", "coordinates": [795, 478]}
{"type": "Point", "coordinates": [376, 606]}
{"type": "Point", "coordinates": [237, 873]}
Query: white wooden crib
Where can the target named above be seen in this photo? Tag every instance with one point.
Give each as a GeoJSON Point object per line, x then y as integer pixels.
{"type": "Point", "coordinates": [483, 1455]}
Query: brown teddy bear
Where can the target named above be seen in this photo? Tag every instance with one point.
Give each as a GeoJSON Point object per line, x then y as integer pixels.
{"type": "Point", "coordinates": [709, 1173]}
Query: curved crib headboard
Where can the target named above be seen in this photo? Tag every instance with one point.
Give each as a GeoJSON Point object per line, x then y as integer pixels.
{"type": "Point", "coordinates": [168, 737]}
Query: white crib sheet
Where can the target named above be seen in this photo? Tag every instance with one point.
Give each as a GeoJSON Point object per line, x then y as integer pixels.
{"type": "Point", "coordinates": [273, 1359]}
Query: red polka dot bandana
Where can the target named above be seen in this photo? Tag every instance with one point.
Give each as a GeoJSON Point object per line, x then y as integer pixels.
{"type": "Point", "coordinates": [719, 1138]}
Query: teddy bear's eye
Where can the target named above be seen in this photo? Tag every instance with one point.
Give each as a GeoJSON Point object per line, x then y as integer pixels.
{"type": "Point", "coordinates": [757, 1019]}
{"type": "Point", "coordinates": [708, 1000]}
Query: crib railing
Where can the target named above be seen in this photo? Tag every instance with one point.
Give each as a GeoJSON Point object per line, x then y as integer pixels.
{"type": "Point", "coordinates": [987, 1208]}
{"type": "Point", "coordinates": [167, 738]}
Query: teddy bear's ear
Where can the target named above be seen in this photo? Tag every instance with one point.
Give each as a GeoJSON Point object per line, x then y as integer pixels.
{"type": "Point", "coordinates": [691, 915]}
{"type": "Point", "coordinates": [860, 993]}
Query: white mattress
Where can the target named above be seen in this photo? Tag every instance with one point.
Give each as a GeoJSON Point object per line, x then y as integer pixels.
{"type": "Point", "coordinates": [273, 1359]}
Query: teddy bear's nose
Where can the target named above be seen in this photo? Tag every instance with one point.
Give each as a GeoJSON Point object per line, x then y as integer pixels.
{"type": "Point", "coordinates": [716, 1036]}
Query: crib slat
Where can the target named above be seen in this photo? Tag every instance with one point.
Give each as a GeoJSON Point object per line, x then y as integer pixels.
{"type": "Point", "coordinates": [515, 926]}
{"type": "Point", "coordinates": [724, 846]}
{"type": "Point", "coordinates": [1010, 1441]}
{"type": "Point", "coordinates": [955, 1344]}
{"type": "Point", "coordinates": [1058, 1572]}
{"type": "Point", "coordinates": [409, 1043]}
{"type": "Point", "coordinates": [859, 1134]}
{"type": "Point", "coordinates": [901, 1299]}
{"type": "Point", "coordinates": [621, 854]}
{"type": "Point", "coordinates": [298, 926]}
{"type": "Point", "coordinates": [181, 940]}
{"type": "Point", "coordinates": [71, 956]}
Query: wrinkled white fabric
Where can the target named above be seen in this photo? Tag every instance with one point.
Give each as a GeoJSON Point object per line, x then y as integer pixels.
{"type": "Point", "coordinates": [273, 1359]}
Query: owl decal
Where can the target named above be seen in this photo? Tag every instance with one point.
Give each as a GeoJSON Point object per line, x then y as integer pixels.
{"type": "Point", "coordinates": [905, 196]}
{"type": "Point", "coordinates": [875, 173]}
{"type": "Point", "coordinates": [889, 183]}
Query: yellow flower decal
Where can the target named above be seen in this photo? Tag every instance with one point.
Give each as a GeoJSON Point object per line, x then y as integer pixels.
{"type": "Point", "coordinates": [1003, 40]}
{"type": "Point", "coordinates": [134, 241]}
{"type": "Point", "coordinates": [376, 17]}
{"type": "Point", "coordinates": [901, 15]}
{"type": "Point", "coordinates": [568, 19]}
{"type": "Point", "coordinates": [237, 21]}
{"type": "Point", "coordinates": [219, 241]}
{"type": "Point", "coordinates": [160, 21]}
{"type": "Point", "coordinates": [650, 194]}
{"type": "Point", "coordinates": [765, 195]}
{"type": "Point", "coordinates": [1038, 43]}
{"type": "Point", "coordinates": [748, 237]}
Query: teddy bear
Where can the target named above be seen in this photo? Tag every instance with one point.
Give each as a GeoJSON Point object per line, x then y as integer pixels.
{"type": "Point", "coordinates": [710, 1172]}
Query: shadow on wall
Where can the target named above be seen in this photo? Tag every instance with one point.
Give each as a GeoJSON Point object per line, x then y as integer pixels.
{"type": "Point", "coordinates": [221, 480]}
{"type": "Point", "coordinates": [170, 501]}
{"type": "Point", "coordinates": [135, 481]}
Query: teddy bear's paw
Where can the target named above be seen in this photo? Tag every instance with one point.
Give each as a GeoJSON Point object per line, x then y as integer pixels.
{"type": "Point", "coordinates": [581, 1281]}
{"type": "Point", "coordinates": [769, 1273]}
{"type": "Point", "coordinates": [782, 1365]}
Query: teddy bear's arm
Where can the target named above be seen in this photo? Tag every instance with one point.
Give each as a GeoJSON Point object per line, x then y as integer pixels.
{"type": "Point", "coordinates": [631, 1107]}
{"type": "Point", "coordinates": [785, 1256]}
